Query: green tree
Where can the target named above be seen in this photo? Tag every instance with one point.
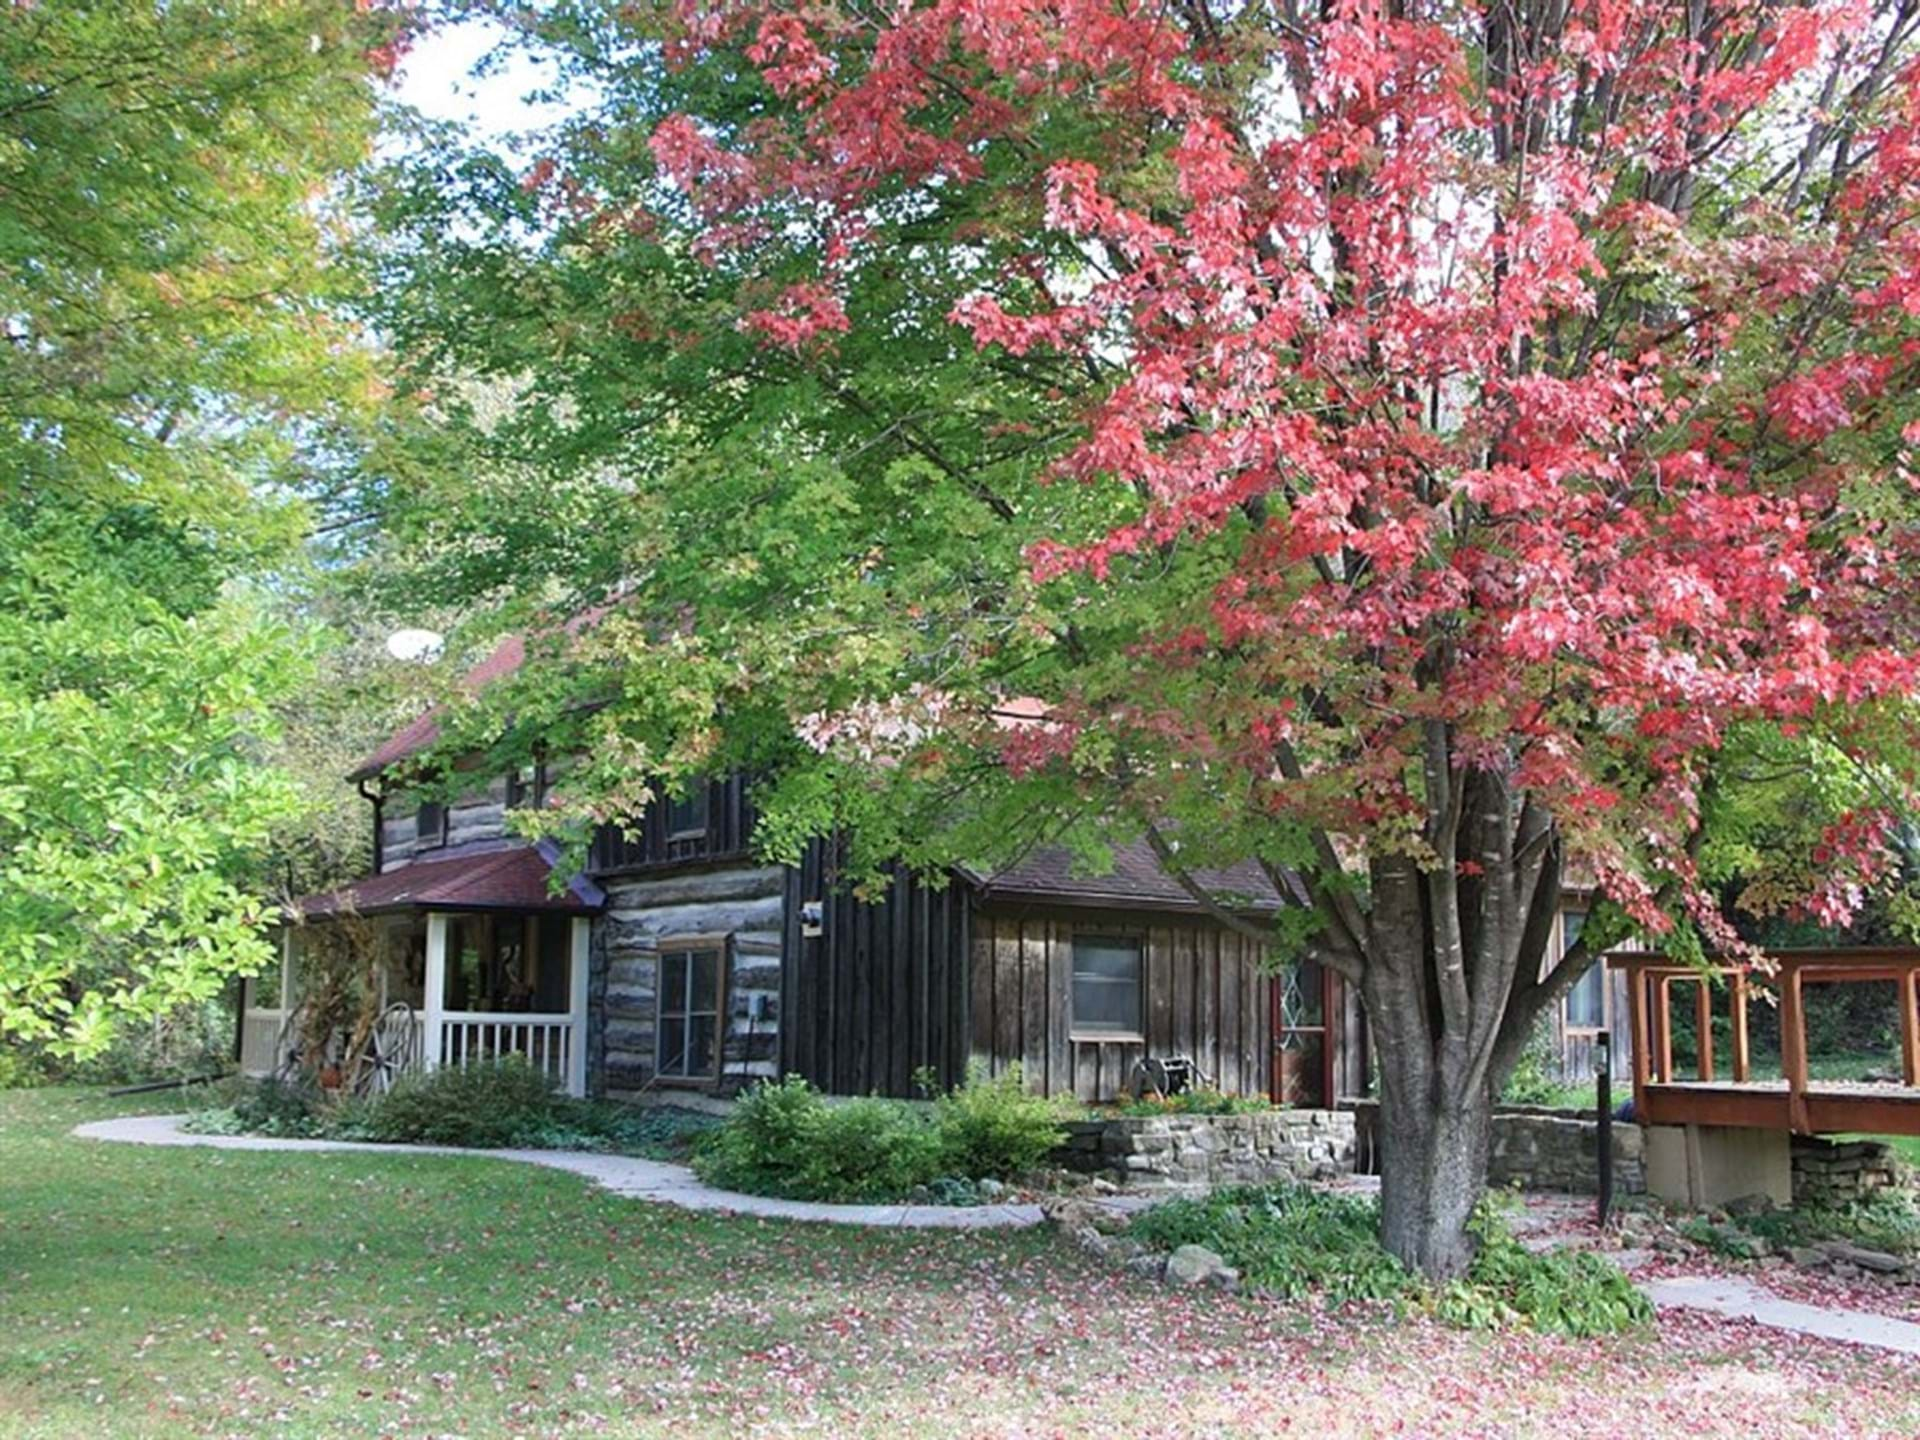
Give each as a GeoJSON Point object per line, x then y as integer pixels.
{"type": "Point", "coordinates": [172, 381]}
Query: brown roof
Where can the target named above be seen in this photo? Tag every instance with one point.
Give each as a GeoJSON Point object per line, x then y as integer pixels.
{"type": "Point", "coordinates": [423, 730]}
{"type": "Point", "coordinates": [513, 879]}
{"type": "Point", "coordinates": [1137, 880]}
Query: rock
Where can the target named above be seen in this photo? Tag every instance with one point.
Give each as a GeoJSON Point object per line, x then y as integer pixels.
{"type": "Point", "coordinates": [1806, 1257]}
{"type": "Point", "coordinates": [1194, 1265]}
{"type": "Point", "coordinates": [1150, 1265]}
{"type": "Point", "coordinates": [990, 1189]}
{"type": "Point", "coordinates": [1225, 1278]}
{"type": "Point", "coordinates": [1103, 1186]}
{"type": "Point", "coordinates": [1071, 1214]}
{"type": "Point", "coordinates": [1090, 1240]}
{"type": "Point", "coordinates": [1877, 1261]}
{"type": "Point", "coordinates": [1757, 1203]}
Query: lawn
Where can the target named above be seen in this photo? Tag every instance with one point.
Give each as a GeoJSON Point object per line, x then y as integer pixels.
{"type": "Point", "coordinates": [168, 1292]}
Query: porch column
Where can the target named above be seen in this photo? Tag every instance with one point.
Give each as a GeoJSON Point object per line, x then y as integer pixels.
{"type": "Point", "coordinates": [436, 988]}
{"type": "Point", "coordinates": [286, 969]}
{"type": "Point", "coordinates": [577, 1008]}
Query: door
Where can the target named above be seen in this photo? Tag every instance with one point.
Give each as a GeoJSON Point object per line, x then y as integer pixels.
{"type": "Point", "coordinates": [1303, 1035]}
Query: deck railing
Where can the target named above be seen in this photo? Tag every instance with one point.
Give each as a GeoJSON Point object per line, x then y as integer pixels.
{"type": "Point", "coordinates": [259, 1041]}
{"type": "Point", "coordinates": [1650, 982]}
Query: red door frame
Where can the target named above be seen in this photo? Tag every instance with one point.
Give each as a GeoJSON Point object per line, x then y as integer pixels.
{"type": "Point", "coordinates": [1329, 997]}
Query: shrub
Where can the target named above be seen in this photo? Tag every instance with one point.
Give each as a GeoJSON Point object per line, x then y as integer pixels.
{"type": "Point", "coordinates": [271, 1107]}
{"type": "Point", "coordinates": [1298, 1241]}
{"type": "Point", "coordinates": [993, 1127]}
{"type": "Point", "coordinates": [784, 1139]}
{"type": "Point", "coordinates": [505, 1104]}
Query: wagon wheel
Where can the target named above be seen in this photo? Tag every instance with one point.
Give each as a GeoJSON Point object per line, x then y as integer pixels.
{"type": "Point", "coordinates": [289, 1056]}
{"type": "Point", "coordinates": [388, 1053]}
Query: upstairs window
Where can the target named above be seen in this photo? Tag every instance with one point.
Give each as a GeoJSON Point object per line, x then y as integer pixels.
{"type": "Point", "coordinates": [430, 824]}
{"type": "Point", "coordinates": [687, 815]}
{"type": "Point", "coordinates": [527, 787]}
{"type": "Point", "coordinates": [1106, 985]}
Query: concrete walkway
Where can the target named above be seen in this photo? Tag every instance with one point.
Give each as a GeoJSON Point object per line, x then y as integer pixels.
{"type": "Point", "coordinates": [622, 1174]}
{"type": "Point", "coordinates": [1740, 1299]}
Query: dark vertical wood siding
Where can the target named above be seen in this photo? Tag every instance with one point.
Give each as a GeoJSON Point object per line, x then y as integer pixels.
{"type": "Point", "coordinates": [1204, 993]}
{"type": "Point", "coordinates": [882, 991]}
{"type": "Point", "coordinates": [728, 835]}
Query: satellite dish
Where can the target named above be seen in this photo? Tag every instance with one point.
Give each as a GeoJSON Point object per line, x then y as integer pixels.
{"type": "Point", "coordinates": [414, 645]}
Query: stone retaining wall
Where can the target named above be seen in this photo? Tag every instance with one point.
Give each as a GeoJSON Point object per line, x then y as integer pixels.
{"type": "Point", "coordinates": [1537, 1148]}
{"type": "Point", "coordinates": [1198, 1151]}
{"type": "Point", "coordinates": [1838, 1172]}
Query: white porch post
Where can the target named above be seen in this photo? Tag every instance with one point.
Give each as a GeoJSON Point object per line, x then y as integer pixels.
{"type": "Point", "coordinates": [577, 1008]}
{"type": "Point", "coordinates": [436, 987]}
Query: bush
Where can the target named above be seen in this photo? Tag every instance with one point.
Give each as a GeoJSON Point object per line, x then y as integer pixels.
{"type": "Point", "coordinates": [993, 1127]}
{"type": "Point", "coordinates": [1297, 1241]}
{"type": "Point", "coordinates": [259, 1107]}
{"type": "Point", "coordinates": [784, 1139]}
{"type": "Point", "coordinates": [506, 1104]}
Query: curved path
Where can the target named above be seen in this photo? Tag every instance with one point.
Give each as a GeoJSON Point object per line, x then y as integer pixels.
{"type": "Point", "coordinates": [622, 1174]}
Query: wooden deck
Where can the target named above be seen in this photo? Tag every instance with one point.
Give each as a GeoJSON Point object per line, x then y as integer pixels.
{"type": "Point", "coordinates": [1795, 1102]}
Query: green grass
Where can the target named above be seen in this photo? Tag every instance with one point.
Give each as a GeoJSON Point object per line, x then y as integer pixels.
{"type": "Point", "coordinates": [163, 1292]}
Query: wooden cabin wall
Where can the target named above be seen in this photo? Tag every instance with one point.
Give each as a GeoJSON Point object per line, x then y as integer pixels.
{"type": "Point", "coordinates": [1203, 991]}
{"type": "Point", "coordinates": [881, 992]}
{"type": "Point", "coordinates": [728, 836]}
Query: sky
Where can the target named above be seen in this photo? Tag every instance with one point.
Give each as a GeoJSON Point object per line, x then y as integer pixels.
{"type": "Point", "coordinates": [436, 78]}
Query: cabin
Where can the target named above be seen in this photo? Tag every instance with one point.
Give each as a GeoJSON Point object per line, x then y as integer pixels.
{"type": "Point", "coordinates": [678, 962]}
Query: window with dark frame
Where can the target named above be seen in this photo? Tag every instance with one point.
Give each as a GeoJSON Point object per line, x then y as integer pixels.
{"type": "Point", "coordinates": [430, 824]}
{"type": "Point", "coordinates": [687, 1041]}
{"type": "Point", "coordinates": [527, 787]}
{"type": "Point", "coordinates": [687, 814]}
{"type": "Point", "coordinates": [1106, 994]}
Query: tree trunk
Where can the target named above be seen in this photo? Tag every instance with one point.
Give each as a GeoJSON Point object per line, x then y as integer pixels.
{"type": "Point", "coordinates": [1433, 1167]}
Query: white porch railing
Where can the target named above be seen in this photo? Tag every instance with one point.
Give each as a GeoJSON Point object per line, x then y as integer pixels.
{"type": "Point", "coordinates": [259, 1034]}
{"type": "Point", "coordinates": [472, 1037]}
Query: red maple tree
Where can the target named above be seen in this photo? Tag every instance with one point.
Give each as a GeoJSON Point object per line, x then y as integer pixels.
{"type": "Point", "coordinates": [1534, 378]}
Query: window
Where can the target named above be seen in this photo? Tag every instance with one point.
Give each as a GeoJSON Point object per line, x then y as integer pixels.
{"type": "Point", "coordinates": [1587, 1000]}
{"type": "Point", "coordinates": [430, 824]}
{"type": "Point", "coordinates": [1106, 985]}
{"type": "Point", "coordinates": [687, 816]}
{"type": "Point", "coordinates": [687, 1045]}
{"type": "Point", "coordinates": [527, 787]}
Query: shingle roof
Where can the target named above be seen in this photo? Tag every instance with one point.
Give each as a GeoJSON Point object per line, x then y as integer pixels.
{"type": "Point", "coordinates": [423, 730]}
{"type": "Point", "coordinates": [1137, 879]}
{"type": "Point", "coordinates": [512, 879]}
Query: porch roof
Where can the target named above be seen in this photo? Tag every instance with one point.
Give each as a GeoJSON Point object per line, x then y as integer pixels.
{"type": "Point", "coordinates": [1137, 880]}
{"type": "Point", "coordinates": [512, 879]}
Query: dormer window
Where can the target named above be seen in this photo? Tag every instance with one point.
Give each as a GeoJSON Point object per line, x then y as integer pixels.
{"type": "Point", "coordinates": [527, 787]}
{"type": "Point", "coordinates": [430, 824]}
{"type": "Point", "coordinates": [687, 815]}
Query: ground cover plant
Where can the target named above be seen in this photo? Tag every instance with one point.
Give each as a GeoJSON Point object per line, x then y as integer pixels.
{"type": "Point", "coordinates": [1299, 1242]}
{"type": "Point", "coordinates": [505, 1105]}
{"type": "Point", "coordinates": [786, 1139]}
{"type": "Point", "coordinates": [1197, 1101]}
{"type": "Point", "coordinates": [151, 1292]}
{"type": "Point", "coordinates": [1887, 1220]}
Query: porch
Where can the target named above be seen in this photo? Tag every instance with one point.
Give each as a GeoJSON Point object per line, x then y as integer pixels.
{"type": "Point", "coordinates": [465, 961]}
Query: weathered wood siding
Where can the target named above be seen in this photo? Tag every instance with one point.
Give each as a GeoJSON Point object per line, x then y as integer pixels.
{"type": "Point", "coordinates": [728, 835]}
{"type": "Point", "coordinates": [644, 916]}
{"type": "Point", "coordinates": [882, 991]}
{"type": "Point", "coordinates": [479, 815]}
{"type": "Point", "coordinates": [1203, 993]}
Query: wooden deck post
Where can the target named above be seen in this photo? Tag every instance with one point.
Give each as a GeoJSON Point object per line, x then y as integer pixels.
{"type": "Point", "coordinates": [1637, 1030]}
{"type": "Point", "coordinates": [1703, 1025]}
{"type": "Point", "coordinates": [577, 1008]}
{"type": "Point", "coordinates": [1742, 1057]}
{"type": "Point", "coordinates": [436, 988]}
{"type": "Point", "coordinates": [1793, 1047]}
{"type": "Point", "coordinates": [1909, 994]}
{"type": "Point", "coordinates": [1663, 1028]}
